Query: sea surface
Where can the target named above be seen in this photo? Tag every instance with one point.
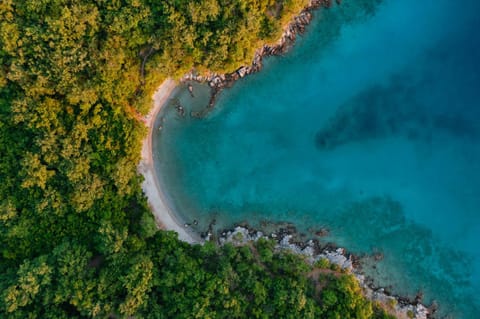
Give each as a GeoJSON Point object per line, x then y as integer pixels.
{"type": "Point", "coordinates": [369, 127]}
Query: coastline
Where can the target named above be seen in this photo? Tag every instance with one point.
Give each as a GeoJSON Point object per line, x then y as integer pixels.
{"type": "Point", "coordinates": [168, 220]}
{"type": "Point", "coordinates": [164, 216]}
{"type": "Point", "coordinates": [313, 251]}
{"type": "Point", "coordinates": [217, 82]}
{"type": "Point", "coordinates": [151, 187]}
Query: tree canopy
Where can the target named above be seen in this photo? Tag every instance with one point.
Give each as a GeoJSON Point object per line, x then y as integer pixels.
{"type": "Point", "coordinates": [77, 238]}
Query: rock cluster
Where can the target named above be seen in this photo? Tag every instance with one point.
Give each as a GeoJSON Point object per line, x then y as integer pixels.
{"type": "Point", "coordinates": [220, 81]}
{"type": "Point", "coordinates": [311, 249]}
{"type": "Point", "coordinates": [401, 307]}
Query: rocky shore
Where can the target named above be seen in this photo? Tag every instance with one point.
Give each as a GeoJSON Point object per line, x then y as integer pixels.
{"type": "Point", "coordinates": [313, 252]}
{"type": "Point", "coordinates": [218, 82]}
{"type": "Point", "coordinates": [286, 239]}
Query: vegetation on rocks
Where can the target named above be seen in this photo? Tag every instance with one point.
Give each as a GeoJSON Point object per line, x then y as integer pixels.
{"type": "Point", "coordinates": [77, 238]}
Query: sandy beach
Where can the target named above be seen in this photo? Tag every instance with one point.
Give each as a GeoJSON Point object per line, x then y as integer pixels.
{"type": "Point", "coordinates": [151, 186]}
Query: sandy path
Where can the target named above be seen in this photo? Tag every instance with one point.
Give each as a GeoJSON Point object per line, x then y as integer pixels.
{"type": "Point", "coordinates": [151, 186]}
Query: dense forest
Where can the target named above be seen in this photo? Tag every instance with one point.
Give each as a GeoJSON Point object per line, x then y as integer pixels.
{"type": "Point", "coordinates": [77, 238]}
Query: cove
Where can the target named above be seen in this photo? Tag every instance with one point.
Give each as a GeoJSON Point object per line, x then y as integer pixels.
{"type": "Point", "coordinates": [369, 127]}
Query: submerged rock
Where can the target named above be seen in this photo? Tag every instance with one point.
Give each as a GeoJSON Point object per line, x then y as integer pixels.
{"type": "Point", "coordinates": [401, 307]}
{"type": "Point", "coordinates": [220, 81]}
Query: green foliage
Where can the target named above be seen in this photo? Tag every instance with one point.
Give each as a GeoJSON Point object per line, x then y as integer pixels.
{"type": "Point", "coordinates": [265, 249]}
{"type": "Point", "coordinates": [77, 239]}
{"type": "Point", "coordinates": [335, 267]}
{"type": "Point", "coordinates": [323, 263]}
{"type": "Point", "coordinates": [32, 278]}
{"type": "Point", "coordinates": [342, 298]}
{"type": "Point", "coordinates": [380, 313]}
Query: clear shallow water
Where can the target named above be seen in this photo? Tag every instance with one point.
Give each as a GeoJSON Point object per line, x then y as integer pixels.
{"type": "Point", "coordinates": [369, 127]}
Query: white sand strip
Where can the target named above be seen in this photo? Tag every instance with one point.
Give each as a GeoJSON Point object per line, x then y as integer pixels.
{"type": "Point", "coordinates": [151, 186]}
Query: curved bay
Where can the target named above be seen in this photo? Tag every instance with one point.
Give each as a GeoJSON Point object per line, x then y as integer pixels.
{"type": "Point", "coordinates": [370, 127]}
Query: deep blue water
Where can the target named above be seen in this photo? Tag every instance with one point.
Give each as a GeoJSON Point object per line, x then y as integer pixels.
{"type": "Point", "coordinates": [369, 127]}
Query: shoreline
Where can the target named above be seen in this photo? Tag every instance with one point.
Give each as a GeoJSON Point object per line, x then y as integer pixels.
{"type": "Point", "coordinates": [164, 217]}
{"type": "Point", "coordinates": [313, 251]}
{"type": "Point", "coordinates": [297, 26]}
{"type": "Point", "coordinates": [167, 219]}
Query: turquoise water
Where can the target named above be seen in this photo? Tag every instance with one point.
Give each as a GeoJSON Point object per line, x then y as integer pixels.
{"type": "Point", "coordinates": [369, 127]}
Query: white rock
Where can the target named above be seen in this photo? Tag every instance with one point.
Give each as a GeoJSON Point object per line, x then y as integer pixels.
{"type": "Point", "coordinates": [285, 242]}
{"type": "Point", "coordinates": [421, 312]}
{"type": "Point", "coordinates": [308, 251]}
